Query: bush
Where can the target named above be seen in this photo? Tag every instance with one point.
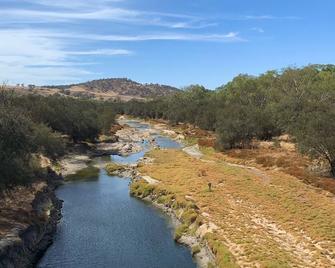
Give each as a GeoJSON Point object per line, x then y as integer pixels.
{"type": "Point", "coordinates": [112, 168]}
{"type": "Point", "coordinates": [180, 230]}
{"type": "Point", "coordinates": [16, 146]}
{"type": "Point", "coordinates": [31, 124]}
{"type": "Point", "coordinates": [195, 250]}
{"type": "Point", "coordinates": [47, 142]}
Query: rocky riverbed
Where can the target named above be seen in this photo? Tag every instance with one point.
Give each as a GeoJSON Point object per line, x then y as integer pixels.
{"type": "Point", "coordinates": [124, 142]}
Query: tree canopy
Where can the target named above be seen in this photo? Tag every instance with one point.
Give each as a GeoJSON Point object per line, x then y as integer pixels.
{"type": "Point", "coordinates": [297, 101]}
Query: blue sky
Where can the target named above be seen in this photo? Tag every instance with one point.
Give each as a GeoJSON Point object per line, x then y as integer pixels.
{"type": "Point", "coordinates": [175, 42]}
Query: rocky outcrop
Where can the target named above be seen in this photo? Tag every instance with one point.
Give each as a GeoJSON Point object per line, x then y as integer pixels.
{"type": "Point", "coordinates": [31, 221]}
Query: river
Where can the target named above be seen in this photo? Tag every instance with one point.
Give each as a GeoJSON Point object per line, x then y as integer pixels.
{"type": "Point", "coordinates": [103, 226]}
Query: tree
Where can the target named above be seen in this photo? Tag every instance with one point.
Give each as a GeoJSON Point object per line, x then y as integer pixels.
{"type": "Point", "coordinates": [15, 147]}
{"type": "Point", "coordinates": [244, 112]}
{"type": "Point", "coordinates": [314, 125]}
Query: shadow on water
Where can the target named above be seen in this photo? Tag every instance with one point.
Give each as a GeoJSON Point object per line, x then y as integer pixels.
{"type": "Point", "coordinates": [89, 173]}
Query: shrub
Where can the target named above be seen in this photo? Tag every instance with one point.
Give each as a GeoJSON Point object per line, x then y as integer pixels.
{"type": "Point", "coordinates": [195, 250]}
{"type": "Point", "coordinates": [180, 230]}
{"type": "Point", "coordinates": [112, 168]}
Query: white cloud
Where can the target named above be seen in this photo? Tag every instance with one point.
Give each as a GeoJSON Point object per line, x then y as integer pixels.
{"type": "Point", "coordinates": [228, 37]}
{"type": "Point", "coordinates": [79, 10]}
{"type": "Point", "coordinates": [258, 29]}
{"type": "Point", "coordinates": [25, 15]}
{"type": "Point", "coordinates": [106, 52]}
{"type": "Point", "coordinates": [72, 4]}
{"type": "Point", "coordinates": [32, 57]}
{"type": "Point", "coordinates": [268, 17]}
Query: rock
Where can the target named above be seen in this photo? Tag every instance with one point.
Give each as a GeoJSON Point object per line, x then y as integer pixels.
{"type": "Point", "coordinates": [25, 242]}
{"type": "Point", "coordinates": [189, 198]}
{"type": "Point", "coordinates": [205, 214]}
{"type": "Point", "coordinates": [73, 163]}
{"type": "Point", "coordinates": [193, 151]}
{"type": "Point", "coordinates": [188, 240]}
{"type": "Point", "coordinates": [150, 180]}
{"type": "Point", "coordinates": [180, 137]}
{"type": "Point", "coordinates": [169, 132]}
{"type": "Point", "coordinates": [206, 228]}
{"type": "Point", "coordinates": [108, 139]}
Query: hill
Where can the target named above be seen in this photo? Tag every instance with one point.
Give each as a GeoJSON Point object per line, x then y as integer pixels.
{"type": "Point", "coordinates": [113, 88]}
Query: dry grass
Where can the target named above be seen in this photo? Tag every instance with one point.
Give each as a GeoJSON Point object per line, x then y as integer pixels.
{"type": "Point", "coordinates": [280, 154]}
{"type": "Point", "coordinates": [265, 220]}
{"type": "Point", "coordinates": [16, 209]}
{"type": "Point", "coordinates": [289, 162]}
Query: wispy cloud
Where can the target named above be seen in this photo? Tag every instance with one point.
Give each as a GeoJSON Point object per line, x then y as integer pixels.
{"type": "Point", "coordinates": [51, 40]}
{"type": "Point", "coordinates": [227, 37]}
{"type": "Point", "coordinates": [73, 4]}
{"type": "Point", "coordinates": [267, 17]}
{"type": "Point", "coordinates": [103, 13]}
{"type": "Point", "coordinates": [105, 52]}
{"type": "Point", "coordinates": [116, 14]}
{"type": "Point", "coordinates": [44, 56]}
{"type": "Point", "coordinates": [258, 29]}
{"type": "Point", "coordinates": [26, 55]}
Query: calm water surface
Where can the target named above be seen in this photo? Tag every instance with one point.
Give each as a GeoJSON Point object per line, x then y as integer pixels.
{"type": "Point", "coordinates": [102, 226]}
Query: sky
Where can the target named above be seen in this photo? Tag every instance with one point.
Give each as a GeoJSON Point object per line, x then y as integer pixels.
{"type": "Point", "coordinates": [174, 42]}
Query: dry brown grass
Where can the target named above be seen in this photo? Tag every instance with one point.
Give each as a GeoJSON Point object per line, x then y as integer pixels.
{"type": "Point", "coordinates": [16, 207]}
{"type": "Point", "coordinates": [269, 155]}
{"type": "Point", "coordinates": [270, 220]}
{"type": "Point", "coordinates": [290, 162]}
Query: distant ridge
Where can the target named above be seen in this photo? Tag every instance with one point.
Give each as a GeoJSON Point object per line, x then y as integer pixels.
{"type": "Point", "coordinates": [112, 88]}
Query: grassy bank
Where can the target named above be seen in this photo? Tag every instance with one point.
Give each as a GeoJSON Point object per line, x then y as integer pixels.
{"type": "Point", "coordinates": [191, 221]}
{"type": "Point", "coordinates": [263, 219]}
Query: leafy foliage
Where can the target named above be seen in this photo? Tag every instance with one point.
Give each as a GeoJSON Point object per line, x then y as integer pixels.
{"type": "Point", "coordinates": [31, 124]}
{"type": "Point", "coordinates": [298, 101]}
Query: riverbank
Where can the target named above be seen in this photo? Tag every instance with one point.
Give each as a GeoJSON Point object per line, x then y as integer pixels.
{"type": "Point", "coordinates": [29, 214]}
{"type": "Point", "coordinates": [141, 232]}
{"type": "Point", "coordinates": [201, 253]}
{"type": "Point", "coordinates": [249, 218]}
{"type": "Point", "coordinates": [28, 221]}
{"type": "Point", "coordinates": [183, 218]}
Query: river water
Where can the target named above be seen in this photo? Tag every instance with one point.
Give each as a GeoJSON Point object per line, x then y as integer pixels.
{"type": "Point", "coordinates": [102, 226]}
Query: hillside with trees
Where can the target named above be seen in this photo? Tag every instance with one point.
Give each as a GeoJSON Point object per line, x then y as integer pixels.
{"type": "Point", "coordinates": [115, 88]}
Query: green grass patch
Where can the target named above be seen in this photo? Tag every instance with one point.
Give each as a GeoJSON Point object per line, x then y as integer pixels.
{"type": "Point", "coordinates": [189, 216]}
{"type": "Point", "coordinates": [223, 257]}
{"type": "Point", "coordinates": [112, 168]}
{"type": "Point", "coordinates": [166, 200]}
{"type": "Point", "coordinates": [141, 189]}
{"type": "Point", "coordinates": [195, 249]}
{"type": "Point", "coordinates": [180, 230]}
